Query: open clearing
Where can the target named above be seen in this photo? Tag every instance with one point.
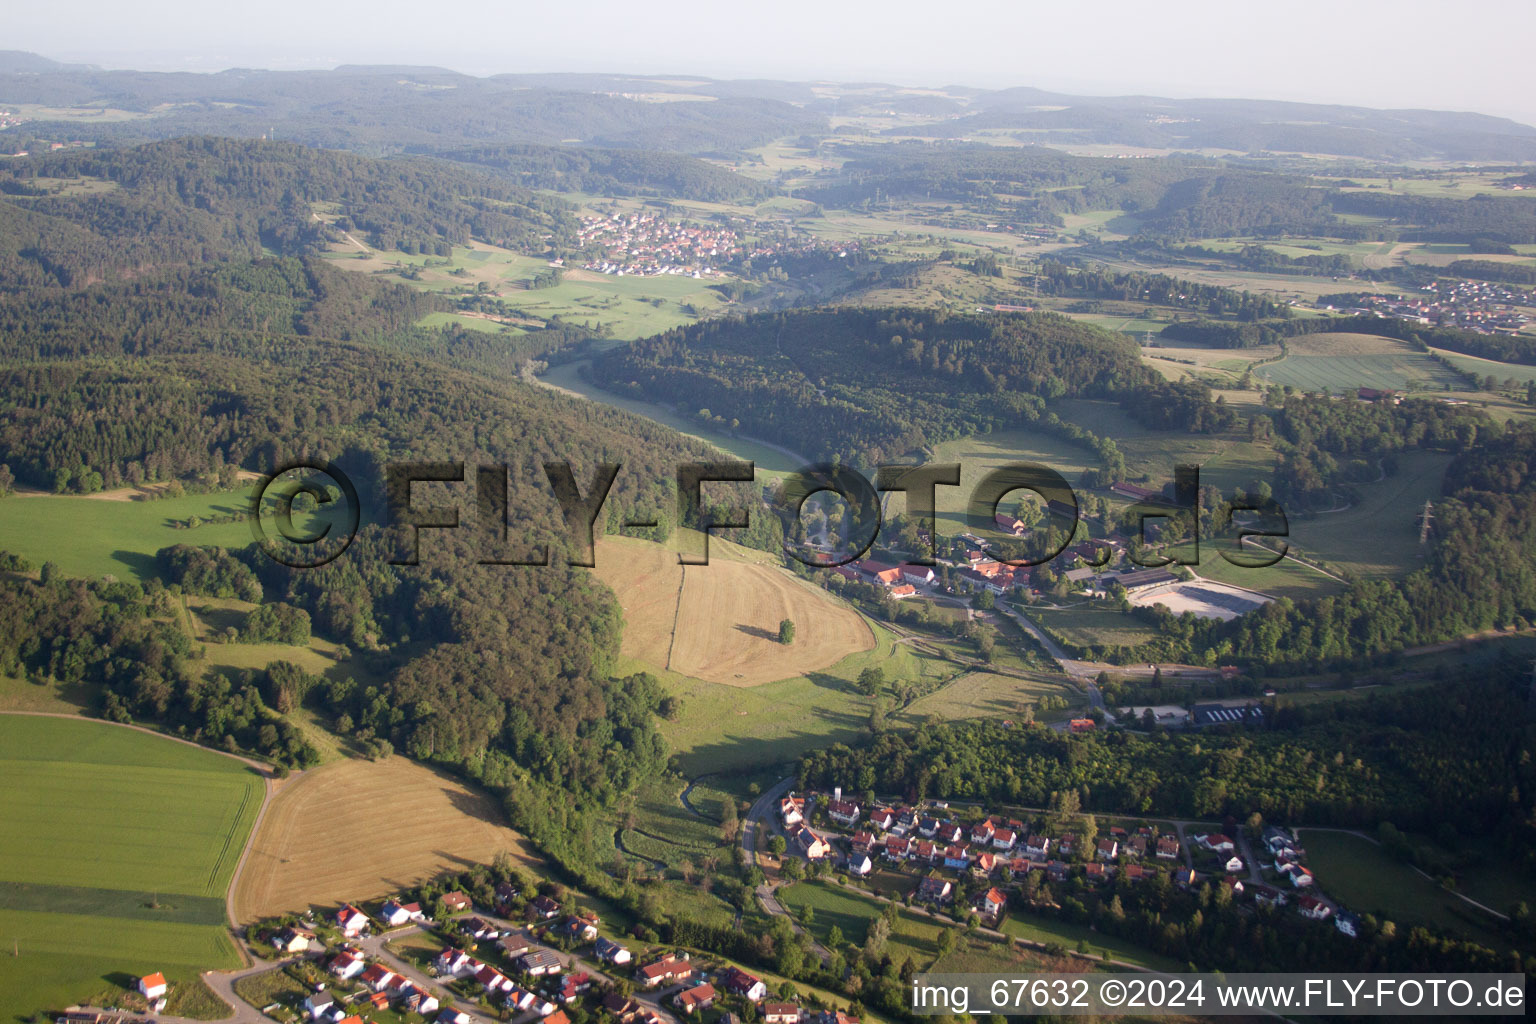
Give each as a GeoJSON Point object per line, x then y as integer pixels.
{"type": "Point", "coordinates": [1360, 874]}
{"type": "Point", "coordinates": [720, 622]}
{"type": "Point", "coordinates": [1333, 363]}
{"type": "Point", "coordinates": [1205, 599]}
{"type": "Point", "coordinates": [90, 536]}
{"type": "Point", "coordinates": [116, 852]}
{"type": "Point", "coordinates": [354, 830]}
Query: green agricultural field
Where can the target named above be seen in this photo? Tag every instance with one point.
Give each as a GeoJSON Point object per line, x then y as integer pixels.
{"type": "Point", "coordinates": [1335, 363]}
{"type": "Point", "coordinates": [1092, 624]}
{"type": "Point", "coordinates": [96, 536]}
{"type": "Point", "coordinates": [1361, 875]}
{"type": "Point", "coordinates": [116, 855]}
{"type": "Point", "coordinates": [988, 695]}
{"type": "Point", "coordinates": [1488, 367]}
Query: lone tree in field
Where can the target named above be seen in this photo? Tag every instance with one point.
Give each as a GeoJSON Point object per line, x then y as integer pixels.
{"type": "Point", "coordinates": [786, 631]}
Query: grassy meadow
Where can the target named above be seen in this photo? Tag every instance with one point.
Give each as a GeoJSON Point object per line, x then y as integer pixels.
{"type": "Point", "coordinates": [117, 851]}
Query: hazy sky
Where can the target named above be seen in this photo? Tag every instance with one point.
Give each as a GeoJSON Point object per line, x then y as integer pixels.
{"type": "Point", "coordinates": [1467, 55]}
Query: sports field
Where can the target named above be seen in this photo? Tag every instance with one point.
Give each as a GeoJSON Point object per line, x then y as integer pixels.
{"type": "Point", "coordinates": [1333, 363]}
{"type": "Point", "coordinates": [719, 622]}
{"type": "Point", "coordinates": [356, 830]}
{"type": "Point", "coordinates": [117, 849]}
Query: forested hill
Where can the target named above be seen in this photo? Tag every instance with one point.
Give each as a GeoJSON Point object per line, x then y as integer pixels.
{"type": "Point", "coordinates": [872, 385]}
{"type": "Point", "coordinates": [189, 200]}
{"type": "Point", "coordinates": [381, 110]}
{"type": "Point", "coordinates": [610, 172]}
{"type": "Point", "coordinates": [203, 359]}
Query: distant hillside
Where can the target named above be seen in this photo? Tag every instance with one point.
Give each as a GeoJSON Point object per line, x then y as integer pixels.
{"type": "Point", "coordinates": [188, 200]}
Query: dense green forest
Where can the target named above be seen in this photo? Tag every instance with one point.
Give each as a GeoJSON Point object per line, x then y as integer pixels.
{"type": "Point", "coordinates": [1448, 753]}
{"type": "Point", "coordinates": [611, 172]}
{"type": "Point", "coordinates": [190, 200]}
{"type": "Point", "coordinates": [867, 385]}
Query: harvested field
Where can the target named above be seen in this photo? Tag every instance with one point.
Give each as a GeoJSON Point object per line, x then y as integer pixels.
{"type": "Point", "coordinates": [353, 830]}
{"type": "Point", "coordinates": [720, 622]}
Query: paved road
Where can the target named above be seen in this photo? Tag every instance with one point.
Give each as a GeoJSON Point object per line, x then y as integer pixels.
{"type": "Point", "coordinates": [763, 817]}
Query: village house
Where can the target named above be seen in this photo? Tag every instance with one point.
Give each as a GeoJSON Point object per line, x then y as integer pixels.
{"type": "Point", "coordinates": [844, 812]}
{"type": "Point", "coordinates": [493, 981]}
{"type": "Point", "coordinates": [1097, 872]}
{"type": "Point", "coordinates": [351, 921]}
{"type": "Point", "coordinates": [792, 810]}
{"type": "Point", "coordinates": [918, 575]}
{"type": "Point", "coordinates": [811, 845]}
{"type": "Point", "coordinates": [454, 1015]}
{"type": "Point", "coordinates": [700, 997]}
{"type": "Point", "coordinates": [1037, 847]}
{"type": "Point", "coordinates": [1056, 870]}
{"type": "Point", "coordinates": [897, 847]}
{"type": "Point", "coordinates": [740, 983]}
{"type": "Point", "coordinates": [346, 965]}
{"type": "Point", "coordinates": [451, 962]}
{"type": "Point", "coordinates": [415, 1000]}
{"type": "Point", "coordinates": [1167, 848]}
{"type": "Point", "coordinates": [860, 865]}
{"type": "Point", "coordinates": [153, 986]}
{"type": "Point", "coordinates": [991, 903]}
{"type": "Point", "coordinates": [1216, 843]}
{"type": "Point", "coordinates": [319, 1005]}
{"type": "Point", "coordinates": [292, 940]}
{"type": "Point", "coordinates": [506, 892]}
{"type": "Point", "coordinates": [781, 1013]}
{"type": "Point", "coordinates": [861, 842]}
{"type": "Point", "coordinates": [1233, 865]}
{"type": "Point", "coordinates": [543, 908]}
{"type": "Point", "coordinates": [577, 929]}
{"type": "Point", "coordinates": [538, 963]}
{"type": "Point", "coordinates": [670, 968]}
{"type": "Point", "coordinates": [1067, 845]}
{"type": "Point", "coordinates": [1004, 838]}
{"type": "Point", "coordinates": [623, 1008]}
{"type": "Point", "coordinates": [610, 952]}
{"type": "Point", "coordinates": [478, 928]}
{"type": "Point", "coordinates": [882, 819]}
{"type": "Point", "coordinates": [573, 985]}
{"type": "Point", "coordinates": [394, 913]}
{"type": "Point", "coordinates": [902, 591]}
{"type": "Point", "coordinates": [513, 945]}
{"type": "Point", "coordinates": [456, 902]}
{"type": "Point", "coordinates": [1313, 909]}
{"type": "Point", "coordinates": [982, 832]}
{"type": "Point", "coordinates": [957, 857]}
{"type": "Point", "coordinates": [934, 890]}
{"type": "Point", "coordinates": [1135, 873]}
{"type": "Point", "coordinates": [1107, 849]}
{"type": "Point", "coordinates": [378, 977]}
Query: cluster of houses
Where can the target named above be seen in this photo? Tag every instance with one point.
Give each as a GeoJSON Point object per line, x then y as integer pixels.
{"type": "Point", "coordinates": [1479, 306]}
{"type": "Point", "coordinates": [997, 847]}
{"type": "Point", "coordinates": [734, 981]}
{"type": "Point", "coordinates": [647, 245]}
{"type": "Point", "coordinates": [1002, 850]}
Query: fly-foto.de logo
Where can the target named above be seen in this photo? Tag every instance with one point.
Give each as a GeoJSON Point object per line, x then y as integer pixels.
{"type": "Point", "coordinates": [332, 512]}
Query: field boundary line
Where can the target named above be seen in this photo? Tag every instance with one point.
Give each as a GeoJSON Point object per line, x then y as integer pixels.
{"type": "Point", "coordinates": [677, 609]}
